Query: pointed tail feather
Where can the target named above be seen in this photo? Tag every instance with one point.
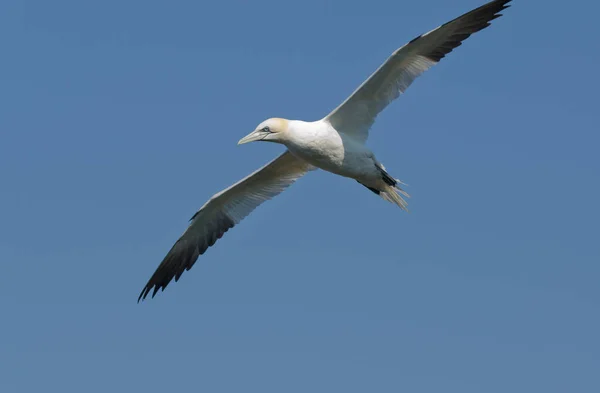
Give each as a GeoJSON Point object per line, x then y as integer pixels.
{"type": "Point", "coordinates": [394, 195]}
{"type": "Point", "coordinates": [392, 192]}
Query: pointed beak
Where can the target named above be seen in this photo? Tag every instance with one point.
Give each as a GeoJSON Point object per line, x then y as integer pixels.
{"type": "Point", "coordinates": [253, 136]}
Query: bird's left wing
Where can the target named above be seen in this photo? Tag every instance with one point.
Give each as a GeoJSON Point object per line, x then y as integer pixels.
{"type": "Point", "coordinates": [356, 115]}
{"type": "Point", "coordinates": [222, 212]}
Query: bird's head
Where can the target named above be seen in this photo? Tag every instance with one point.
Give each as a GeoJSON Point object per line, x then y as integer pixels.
{"type": "Point", "coordinates": [270, 130]}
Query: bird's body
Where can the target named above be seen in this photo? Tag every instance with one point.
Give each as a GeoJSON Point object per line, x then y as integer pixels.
{"type": "Point", "coordinates": [321, 145]}
{"type": "Point", "coordinates": [335, 144]}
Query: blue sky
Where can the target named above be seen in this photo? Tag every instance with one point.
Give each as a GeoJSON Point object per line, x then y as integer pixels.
{"type": "Point", "coordinates": [119, 119]}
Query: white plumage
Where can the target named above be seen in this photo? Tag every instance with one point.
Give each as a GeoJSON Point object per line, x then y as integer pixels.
{"type": "Point", "coordinates": [335, 143]}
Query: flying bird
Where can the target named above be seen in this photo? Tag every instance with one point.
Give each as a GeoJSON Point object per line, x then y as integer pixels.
{"type": "Point", "coordinates": [335, 143]}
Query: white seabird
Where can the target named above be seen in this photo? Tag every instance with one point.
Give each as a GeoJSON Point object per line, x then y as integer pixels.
{"type": "Point", "coordinates": [335, 143]}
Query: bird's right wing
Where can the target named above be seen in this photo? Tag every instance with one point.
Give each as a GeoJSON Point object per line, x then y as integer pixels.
{"type": "Point", "coordinates": [356, 115]}
{"type": "Point", "coordinates": [222, 212]}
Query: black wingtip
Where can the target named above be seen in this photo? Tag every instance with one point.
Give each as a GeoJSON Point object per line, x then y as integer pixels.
{"type": "Point", "coordinates": [157, 288]}
{"type": "Point", "coordinates": [143, 294]}
{"type": "Point", "coordinates": [147, 290]}
{"type": "Point", "coordinates": [468, 24]}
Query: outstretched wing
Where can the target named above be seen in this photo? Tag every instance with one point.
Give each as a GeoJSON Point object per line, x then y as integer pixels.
{"type": "Point", "coordinates": [221, 213]}
{"type": "Point", "coordinates": [356, 115]}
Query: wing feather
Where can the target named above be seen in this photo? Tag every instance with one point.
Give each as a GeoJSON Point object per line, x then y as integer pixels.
{"type": "Point", "coordinates": [221, 213]}
{"type": "Point", "coordinates": [356, 115]}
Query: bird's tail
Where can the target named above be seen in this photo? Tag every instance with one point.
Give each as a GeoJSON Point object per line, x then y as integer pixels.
{"type": "Point", "coordinates": [392, 192]}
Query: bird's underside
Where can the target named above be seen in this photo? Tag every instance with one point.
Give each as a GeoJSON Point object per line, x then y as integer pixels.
{"type": "Point", "coordinates": [353, 118]}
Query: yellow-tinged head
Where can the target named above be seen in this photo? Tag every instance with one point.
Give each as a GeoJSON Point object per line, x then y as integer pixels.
{"type": "Point", "coordinates": [270, 130]}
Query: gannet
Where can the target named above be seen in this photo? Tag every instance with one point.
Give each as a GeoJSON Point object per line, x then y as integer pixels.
{"type": "Point", "coordinates": [335, 143]}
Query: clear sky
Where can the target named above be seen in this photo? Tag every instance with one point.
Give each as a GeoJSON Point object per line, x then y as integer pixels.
{"type": "Point", "coordinates": [118, 120]}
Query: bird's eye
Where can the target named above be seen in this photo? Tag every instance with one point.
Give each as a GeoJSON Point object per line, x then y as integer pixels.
{"type": "Point", "coordinates": [266, 129]}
